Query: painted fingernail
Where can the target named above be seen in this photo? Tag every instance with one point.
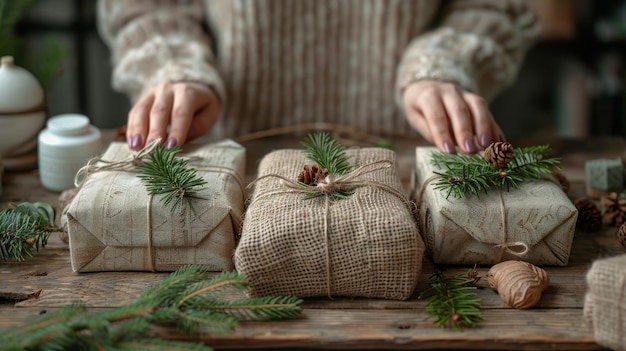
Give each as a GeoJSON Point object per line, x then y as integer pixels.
{"type": "Point", "coordinates": [171, 143]}
{"type": "Point", "coordinates": [470, 146]}
{"type": "Point", "coordinates": [448, 147]}
{"type": "Point", "coordinates": [485, 140]}
{"type": "Point", "coordinates": [135, 141]}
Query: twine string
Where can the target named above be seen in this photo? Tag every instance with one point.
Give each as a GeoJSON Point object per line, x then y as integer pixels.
{"type": "Point", "coordinates": [331, 184]}
{"type": "Point", "coordinates": [151, 257]}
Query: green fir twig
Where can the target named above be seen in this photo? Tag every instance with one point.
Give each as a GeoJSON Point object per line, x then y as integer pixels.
{"type": "Point", "coordinates": [187, 299]}
{"type": "Point", "coordinates": [168, 175]}
{"type": "Point", "coordinates": [25, 228]}
{"type": "Point", "coordinates": [451, 301]}
{"type": "Point", "coordinates": [329, 154]}
{"type": "Point", "coordinates": [464, 174]}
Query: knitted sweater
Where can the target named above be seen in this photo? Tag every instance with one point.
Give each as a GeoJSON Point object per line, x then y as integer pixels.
{"type": "Point", "coordinates": [277, 63]}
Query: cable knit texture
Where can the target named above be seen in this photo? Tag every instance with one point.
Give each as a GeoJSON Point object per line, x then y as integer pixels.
{"type": "Point", "coordinates": [282, 62]}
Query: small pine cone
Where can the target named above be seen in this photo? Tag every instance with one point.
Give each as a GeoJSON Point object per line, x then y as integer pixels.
{"type": "Point", "coordinates": [311, 175]}
{"type": "Point", "coordinates": [621, 235]}
{"type": "Point", "coordinates": [589, 215]}
{"type": "Point", "coordinates": [562, 179]}
{"type": "Point", "coordinates": [499, 154]}
{"type": "Point", "coordinates": [613, 209]}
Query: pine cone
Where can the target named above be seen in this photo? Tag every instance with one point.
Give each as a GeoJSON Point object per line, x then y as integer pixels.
{"type": "Point", "coordinates": [311, 175]}
{"type": "Point", "coordinates": [499, 154]}
{"type": "Point", "coordinates": [562, 179]}
{"type": "Point", "coordinates": [613, 209]}
{"type": "Point", "coordinates": [621, 235]}
{"type": "Point", "coordinates": [589, 215]}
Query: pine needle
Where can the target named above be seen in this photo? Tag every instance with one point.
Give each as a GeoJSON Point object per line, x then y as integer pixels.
{"type": "Point", "coordinates": [462, 174]}
{"type": "Point", "coordinates": [23, 229]}
{"type": "Point", "coordinates": [168, 175]}
{"type": "Point", "coordinates": [327, 152]}
{"type": "Point", "coordinates": [451, 302]}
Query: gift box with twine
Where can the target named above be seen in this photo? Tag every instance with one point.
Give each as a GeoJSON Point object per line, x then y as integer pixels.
{"type": "Point", "coordinates": [533, 223]}
{"type": "Point", "coordinates": [366, 245]}
{"type": "Point", "coordinates": [115, 225]}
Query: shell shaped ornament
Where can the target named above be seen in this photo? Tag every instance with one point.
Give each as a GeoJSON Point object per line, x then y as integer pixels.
{"type": "Point", "coordinates": [519, 284]}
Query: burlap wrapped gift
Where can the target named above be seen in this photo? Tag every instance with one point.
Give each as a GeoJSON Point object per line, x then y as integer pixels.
{"type": "Point", "coordinates": [605, 301]}
{"type": "Point", "coordinates": [367, 245]}
{"type": "Point", "coordinates": [114, 225]}
{"type": "Point", "coordinates": [534, 223]}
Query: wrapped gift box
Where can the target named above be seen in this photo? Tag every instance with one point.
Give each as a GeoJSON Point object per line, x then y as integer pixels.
{"type": "Point", "coordinates": [367, 245]}
{"type": "Point", "coordinates": [114, 225]}
{"type": "Point", "coordinates": [540, 221]}
{"type": "Point", "coordinates": [605, 301]}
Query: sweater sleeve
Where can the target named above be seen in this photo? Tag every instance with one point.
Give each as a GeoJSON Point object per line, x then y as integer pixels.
{"type": "Point", "coordinates": [478, 44]}
{"type": "Point", "coordinates": [157, 41]}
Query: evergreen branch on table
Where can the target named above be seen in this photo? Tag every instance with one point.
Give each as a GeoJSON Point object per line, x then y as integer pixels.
{"type": "Point", "coordinates": [464, 174]}
{"type": "Point", "coordinates": [176, 301]}
{"type": "Point", "coordinates": [25, 228]}
{"type": "Point", "coordinates": [451, 302]}
{"type": "Point", "coordinates": [168, 175]}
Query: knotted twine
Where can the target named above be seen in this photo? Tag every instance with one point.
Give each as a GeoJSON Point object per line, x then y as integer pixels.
{"type": "Point", "coordinates": [331, 184]}
{"type": "Point", "coordinates": [505, 246]}
{"type": "Point", "coordinates": [98, 164]}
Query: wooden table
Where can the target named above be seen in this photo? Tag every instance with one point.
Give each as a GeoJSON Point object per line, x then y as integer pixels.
{"type": "Point", "coordinates": [47, 283]}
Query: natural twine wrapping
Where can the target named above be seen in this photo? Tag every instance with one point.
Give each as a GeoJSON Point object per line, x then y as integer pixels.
{"type": "Point", "coordinates": [605, 301]}
{"type": "Point", "coordinates": [367, 245]}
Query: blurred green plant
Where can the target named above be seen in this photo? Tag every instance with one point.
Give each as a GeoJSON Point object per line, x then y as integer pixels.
{"type": "Point", "coordinates": [45, 64]}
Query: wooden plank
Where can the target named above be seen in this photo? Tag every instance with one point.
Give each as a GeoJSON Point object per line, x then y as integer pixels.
{"type": "Point", "coordinates": [398, 329]}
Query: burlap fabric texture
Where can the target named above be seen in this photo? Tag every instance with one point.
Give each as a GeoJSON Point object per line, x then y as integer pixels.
{"type": "Point", "coordinates": [605, 301]}
{"type": "Point", "coordinates": [535, 223]}
{"type": "Point", "coordinates": [365, 246]}
{"type": "Point", "coordinates": [114, 225]}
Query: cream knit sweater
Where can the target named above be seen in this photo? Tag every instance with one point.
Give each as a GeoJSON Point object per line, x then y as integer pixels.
{"type": "Point", "coordinates": [284, 62]}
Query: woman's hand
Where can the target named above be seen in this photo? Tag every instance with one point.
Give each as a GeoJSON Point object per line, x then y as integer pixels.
{"type": "Point", "coordinates": [445, 115]}
{"type": "Point", "coordinates": [174, 112]}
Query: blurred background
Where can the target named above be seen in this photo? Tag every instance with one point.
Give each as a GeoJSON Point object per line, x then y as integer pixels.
{"type": "Point", "coordinates": [572, 83]}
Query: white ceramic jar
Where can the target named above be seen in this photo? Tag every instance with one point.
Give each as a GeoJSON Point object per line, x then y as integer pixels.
{"type": "Point", "coordinates": [67, 143]}
{"type": "Point", "coordinates": [22, 108]}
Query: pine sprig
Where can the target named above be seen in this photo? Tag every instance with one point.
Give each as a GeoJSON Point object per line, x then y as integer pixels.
{"type": "Point", "coordinates": [327, 152]}
{"type": "Point", "coordinates": [451, 301]}
{"type": "Point", "coordinates": [168, 175]}
{"type": "Point", "coordinates": [178, 300]}
{"type": "Point", "coordinates": [464, 174]}
{"type": "Point", "coordinates": [25, 228]}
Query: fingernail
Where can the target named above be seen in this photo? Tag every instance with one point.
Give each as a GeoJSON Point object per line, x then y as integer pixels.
{"type": "Point", "coordinates": [171, 143]}
{"type": "Point", "coordinates": [135, 141]}
{"type": "Point", "coordinates": [448, 147]}
{"type": "Point", "coordinates": [470, 146]}
{"type": "Point", "coordinates": [485, 140]}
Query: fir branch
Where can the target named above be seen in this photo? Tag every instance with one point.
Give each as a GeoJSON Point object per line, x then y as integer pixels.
{"type": "Point", "coordinates": [464, 174]}
{"type": "Point", "coordinates": [25, 228]}
{"type": "Point", "coordinates": [451, 303]}
{"type": "Point", "coordinates": [327, 152]}
{"type": "Point", "coordinates": [168, 175]}
{"type": "Point", "coordinates": [126, 327]}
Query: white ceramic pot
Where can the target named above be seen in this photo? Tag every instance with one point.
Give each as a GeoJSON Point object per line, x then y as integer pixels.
{"type": "Point", "coordinates": [22, 108]}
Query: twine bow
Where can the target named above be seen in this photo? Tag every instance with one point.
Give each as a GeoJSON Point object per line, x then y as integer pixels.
{"type": "Point", "coordinates": [331, 184]}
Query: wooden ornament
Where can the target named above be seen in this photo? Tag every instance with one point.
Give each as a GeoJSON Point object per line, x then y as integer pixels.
{"type": "Point", "coordinates": [519, 284]}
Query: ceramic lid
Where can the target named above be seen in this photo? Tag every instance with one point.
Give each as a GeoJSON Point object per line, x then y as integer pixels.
{"type": "Point", "coordinates": [20, 89]}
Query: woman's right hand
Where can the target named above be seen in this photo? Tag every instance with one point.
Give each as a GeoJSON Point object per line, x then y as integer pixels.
{"type": "Point", "coordinates": [174, 112]}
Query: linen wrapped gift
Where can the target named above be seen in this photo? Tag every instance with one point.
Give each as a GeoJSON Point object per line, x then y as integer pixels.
{"type": "Point", "coordinates": [534, 223]}
{"type": "Point", "coordinates": [605, 301]}
{"type": "Point", "coordinates": [366, 245]}
{"type": "Point", "coordinates": [114, 225]}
